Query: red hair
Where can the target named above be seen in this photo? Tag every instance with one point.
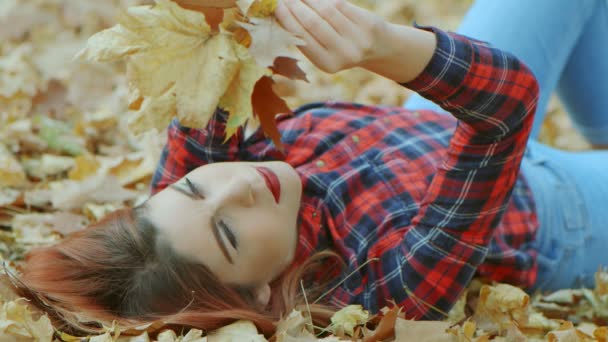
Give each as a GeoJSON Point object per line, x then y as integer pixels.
{"type": "Point", "coordinates": [121, 269]}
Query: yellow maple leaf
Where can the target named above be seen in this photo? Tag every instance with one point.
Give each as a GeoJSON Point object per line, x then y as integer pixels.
{"type": "Point", "coordinates": [257, 8]}
{"type": "Point", "coordinates": [263, 8]}
{"type": "Point", "coordinates": [178, 66]}
{"type": "Point", "coordinates": [269, 40]}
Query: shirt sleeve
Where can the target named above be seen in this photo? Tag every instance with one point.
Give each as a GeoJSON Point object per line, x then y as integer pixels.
{"type": "Point", "coordinates": [425, 267]}
{"type": "Point", "coordinates": [188, 148]}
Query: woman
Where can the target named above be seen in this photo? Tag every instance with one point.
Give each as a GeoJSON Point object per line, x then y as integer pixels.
{"type": "Point", "coordinates": [412, 203]}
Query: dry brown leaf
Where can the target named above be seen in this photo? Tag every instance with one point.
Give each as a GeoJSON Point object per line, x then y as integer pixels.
{"type": "Point", "coordinates": [288, 67]}
{"type": "Point", "coordinates": [501, 305]}
{"type": "Point", "coordinates": [266, 105]}
{"type": "Point", "coordinates": [385, 328]}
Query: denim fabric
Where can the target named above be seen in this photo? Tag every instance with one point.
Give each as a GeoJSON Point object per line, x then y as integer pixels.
{"type": "Point", "coordinates": [565, 43]}
{"type": "Point", "coordinates": [571, 194]}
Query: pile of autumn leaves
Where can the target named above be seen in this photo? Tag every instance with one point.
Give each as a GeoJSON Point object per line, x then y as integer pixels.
{"type": "Point", "coordinates": [499, 313]}
{"type": "Point", "coordinates": [67, 157]}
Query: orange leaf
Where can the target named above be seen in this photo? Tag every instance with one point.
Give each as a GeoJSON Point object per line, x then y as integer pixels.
{"type": "Point", "coordinates": [386, 327]}
{"type": "Point", "coordinates": [288, 67]}
{"type": "Point", "coordinates": [212, 9]}
{"type": "Point", "coordinates": [266, 105]}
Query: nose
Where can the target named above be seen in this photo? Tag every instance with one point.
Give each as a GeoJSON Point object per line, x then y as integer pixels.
{"type": "Point", "coordinates": [238, 191]}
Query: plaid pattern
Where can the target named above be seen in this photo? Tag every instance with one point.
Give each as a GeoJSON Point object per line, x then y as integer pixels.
{"type": "Point", "coordinates": [417, 203]}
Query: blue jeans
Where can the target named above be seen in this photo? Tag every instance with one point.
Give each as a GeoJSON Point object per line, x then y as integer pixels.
{"type": "Point", "coordinates": [565, 44]}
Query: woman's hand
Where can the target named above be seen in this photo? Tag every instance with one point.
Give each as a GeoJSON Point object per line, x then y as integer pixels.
{"type": "Point", "coordinates": [338, 34]}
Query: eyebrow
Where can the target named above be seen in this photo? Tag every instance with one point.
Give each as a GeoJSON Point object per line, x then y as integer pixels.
{"type": "Point", "coordinates": [216, 233]}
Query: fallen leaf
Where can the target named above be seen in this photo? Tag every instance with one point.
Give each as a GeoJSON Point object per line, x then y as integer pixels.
{"type": "Point", "coordinates": [18, 75]}
{"type": "Point", "coordinates": [346, 319]}
{"type": "Point", "coordinates": [8, 196]}
{"type": "Point", "coordinates": [11, 171]}
{"type": "Point", "coordinates": [501, 305]}
{"type": "Point", "coordinates": [85, 166]}
{"type": "Point", "coordinates": [237, 331]}
{"type": "Point", "coordinates": [601, 282]}
{"type": "Point", "coordinates": [17, 323]}
{"type": "Point", "coordinates": [568, 333]}
{"type": "Point", "coordinates": [294, 328]}
{"type": "Point", "coordinates": [386, 327]}
{"type": "Point", "coordinates": [422, 331]}
{"type": "Point", "coordinates": [69, 194]}
{"type": "Point", "coordinates": [47, 165]}
{"type": "Point", "coordinates": [58, 135]}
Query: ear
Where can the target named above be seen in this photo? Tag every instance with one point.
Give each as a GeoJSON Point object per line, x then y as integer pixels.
{"type": "Point", "coordinates": [262, 295]}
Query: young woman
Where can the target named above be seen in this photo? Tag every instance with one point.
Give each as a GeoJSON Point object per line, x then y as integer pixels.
{"type": "Point", "coordinates": [412, 204]}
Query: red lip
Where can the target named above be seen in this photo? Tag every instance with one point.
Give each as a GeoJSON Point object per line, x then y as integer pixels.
{"type": "Point", "coordinates": [272, 182]}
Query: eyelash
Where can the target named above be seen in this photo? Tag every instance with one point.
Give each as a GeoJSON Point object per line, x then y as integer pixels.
{"type": "Point", "coordinates": [227, 231]}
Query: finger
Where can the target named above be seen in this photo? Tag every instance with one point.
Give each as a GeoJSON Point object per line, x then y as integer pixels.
{"type": "Point", "coordinates": [327, 10]}
{"type": "Point", "coordinates": [312, 50]}
{"type": "Point", "coordinates": [354, 13]}
{"type": "Point", "coordinates": [312, 22]}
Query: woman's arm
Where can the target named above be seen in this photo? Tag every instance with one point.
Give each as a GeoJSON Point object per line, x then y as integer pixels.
{"type": "Point", "coordinates": [425, 266]}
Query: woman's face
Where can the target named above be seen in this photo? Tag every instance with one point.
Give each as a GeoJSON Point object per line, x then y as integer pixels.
{"type": "Point", "coordinates": [226, 216]}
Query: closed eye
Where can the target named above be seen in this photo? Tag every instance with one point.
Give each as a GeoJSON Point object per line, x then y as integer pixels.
{"type": "Point", "coordinates": [195, 191]}
{"type": "Point", "coordinates": [229, 233]}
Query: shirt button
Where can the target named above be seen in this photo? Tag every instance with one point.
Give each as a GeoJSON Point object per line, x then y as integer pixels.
{"type": "Point", "coordinates": [355, 138]}
{"type": "Point", "coordinates": [416, 114]}
{"type": "Point", "coordinates": [320, 163]}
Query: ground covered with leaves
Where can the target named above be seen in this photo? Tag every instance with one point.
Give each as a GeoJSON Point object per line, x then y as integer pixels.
{"type": "Point", "coordinates": [67, 158]}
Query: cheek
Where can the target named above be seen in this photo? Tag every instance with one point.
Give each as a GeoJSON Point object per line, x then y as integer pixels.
{"type": "Point", "coordinates": [272, 243]}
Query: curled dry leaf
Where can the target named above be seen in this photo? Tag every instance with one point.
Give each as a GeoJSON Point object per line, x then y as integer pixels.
{"type": "Point", "coordinates": [568, 333]}
{"type": "Point", "coordinates": [346, 319]}
{"type": "Point", "coordinates": [501, 305]}
{"type": "Point", "coordinates": [294, 327]}
{"type": "Point", "coordinates": [385, 328]}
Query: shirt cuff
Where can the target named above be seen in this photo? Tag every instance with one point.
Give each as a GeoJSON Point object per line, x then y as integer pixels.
{"type": "Point", "coordinates": [448, 67]}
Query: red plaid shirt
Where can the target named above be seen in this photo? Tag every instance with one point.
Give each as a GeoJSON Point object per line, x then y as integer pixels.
{"type": "Point", "coordinates": [417, 203]}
